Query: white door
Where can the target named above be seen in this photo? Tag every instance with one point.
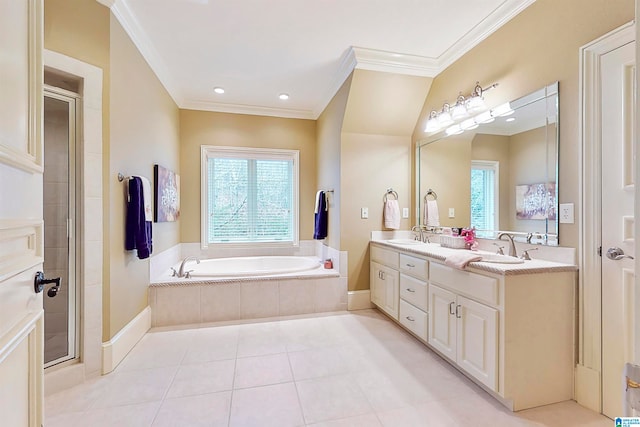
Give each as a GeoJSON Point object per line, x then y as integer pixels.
{"type": "Point", "coordinates": [21, 237]}
{"type": "Point", "coordinates": [442, 321]}
{"type": "Point", "coordinates": [477, 340]}
{"type": "Point", "coordinates": [618, 172]}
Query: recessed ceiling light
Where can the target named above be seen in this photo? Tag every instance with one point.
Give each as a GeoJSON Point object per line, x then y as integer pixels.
{"type": "Point", "coordinates": [511, 119]}
{"type": "Point", "coordinates": [218, 90]}
{"type": "Point", "coordinates": [283, 96]}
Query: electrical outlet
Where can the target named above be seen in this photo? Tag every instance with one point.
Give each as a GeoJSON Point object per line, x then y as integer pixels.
{"type": "Point", "coordinates": [566, 213]}
{"type": "Point", "coordinates": [364, 213]}
{"type": "Point", "coordinates": [452, 212]}
{"type": "Point", "coordinates": [405, 212]}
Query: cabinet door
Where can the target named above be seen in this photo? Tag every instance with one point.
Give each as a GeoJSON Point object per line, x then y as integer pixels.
{"type": "Point", "coordinates": [376, 284]}
{"type": "Point", "coordinates": [385, 294]}
{"type": "Point", "coordinates": [477, 344]}
{"type": "Point", "coordinates": [442, 321]}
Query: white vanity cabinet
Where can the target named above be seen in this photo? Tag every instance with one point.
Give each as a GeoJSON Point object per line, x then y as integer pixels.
{"type": "Point", "coordinates": [385, 280]}
{"type": "Point", "coordinates": [510, 328]}
{"type": "Point", "coordinates": [466, 332]}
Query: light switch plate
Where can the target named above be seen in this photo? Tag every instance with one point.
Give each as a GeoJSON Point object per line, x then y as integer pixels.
{"type": "Point", "coordinates": [452, 212]}
{"type": "Point", "coordinates": [566, 213]}
{"type": "Point", "coordinates": [405, 212]}
{"type": "Point", "coordinates": [364, 213]}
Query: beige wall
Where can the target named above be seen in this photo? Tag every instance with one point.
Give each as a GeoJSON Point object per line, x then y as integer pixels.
{"type": "Point", "coordinates": [537, 47]}
{"type": "Point", "coordinates": [140, 128]}
{"type": "Point", "coordinates": [206, 128]}
{"type": "Point", "coordinates": [328, 160]}
{"type": "Point", "coordinates": [144, 132]}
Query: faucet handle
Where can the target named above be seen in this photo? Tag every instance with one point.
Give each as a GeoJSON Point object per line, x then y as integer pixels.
{"type": "Point", "coordinates": [525, 254]}
{"type": "Point", "coordinates": [174, 273]}
{"type": "Point", "coordinates": [187, 274]}
{"type": "Point", "coordinates": [500, 250]}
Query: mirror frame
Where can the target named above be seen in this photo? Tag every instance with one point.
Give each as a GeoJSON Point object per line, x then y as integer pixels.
{"type": "Point", "coordinates": [548, 92]}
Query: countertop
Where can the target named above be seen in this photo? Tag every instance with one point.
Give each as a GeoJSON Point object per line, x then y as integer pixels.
{"type": "Point", "coordinates": [439, 253]}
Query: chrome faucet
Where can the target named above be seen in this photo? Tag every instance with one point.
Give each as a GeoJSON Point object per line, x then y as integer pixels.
{"type": "Point", "coordinates": [416, 229]}
{"type": "Point", "coordinates": [181, 272]}
{"type": "Point", "coordinates": [512, 245]}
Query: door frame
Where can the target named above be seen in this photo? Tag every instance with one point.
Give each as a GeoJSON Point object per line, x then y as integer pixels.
{"type": "Point", "coordinates": [588, 386]}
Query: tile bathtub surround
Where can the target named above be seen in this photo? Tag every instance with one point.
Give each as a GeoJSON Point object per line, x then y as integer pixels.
{"type": "Point", "coordinates": [237, 300]}
{"type": "Point", "coordinates": [348, 369]}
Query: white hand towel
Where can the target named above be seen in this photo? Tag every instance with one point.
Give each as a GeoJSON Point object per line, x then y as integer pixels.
{"type": "Point", "coordinates": [431, 214]}
{"type": "Point", "coordinates": [461, 259]}
{"type": "Point", "coordinates": [146, 194]}
{"type": "Point", "coordinates": [392, 214]}
{"type": "Point", "coordinates": [317, 201]}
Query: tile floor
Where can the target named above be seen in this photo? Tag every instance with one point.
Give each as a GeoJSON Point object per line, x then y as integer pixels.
{"type": "Point", "coordinates": [344, 369]}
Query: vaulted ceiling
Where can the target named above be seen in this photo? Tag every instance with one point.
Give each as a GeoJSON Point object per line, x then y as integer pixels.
{"type": "Point", "coordinates": [258, 49]}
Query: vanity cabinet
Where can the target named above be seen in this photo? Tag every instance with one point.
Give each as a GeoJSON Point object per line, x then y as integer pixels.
{"type": "Point", "coordinates": [465, 332]}
{"type": "Point", "coordinates": [385, 288]}
{"type": "Point", "coordinates": [510, 328]}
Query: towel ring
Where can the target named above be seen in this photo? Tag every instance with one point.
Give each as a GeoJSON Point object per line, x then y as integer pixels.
{"type": "Point", "coordinates": [392, 192]}
{"type": "Point", "coordinates": [432, 194]}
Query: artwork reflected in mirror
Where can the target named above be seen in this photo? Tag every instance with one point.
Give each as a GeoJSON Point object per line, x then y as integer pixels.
{"type": "Point", "coordinates": [501, 176]}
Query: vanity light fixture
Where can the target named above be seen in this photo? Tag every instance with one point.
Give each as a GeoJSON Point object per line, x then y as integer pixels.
{"type": "Point", "coordinates": [218, 90]}
{"type": "Point", "coordinates": [283, 96]}
{"type": "Point", "coordinates": [510, 119]}
{"type": "Point", "coordinates": [502, 110]}
{"type": "Point", "coordinates": [469, 124]}
{"type": "Point", "coordinates": [454, 130]}
{"type": "Point", "coordinates": [485, 117]}
{"type": "Point", "coordinates": [464, 107]}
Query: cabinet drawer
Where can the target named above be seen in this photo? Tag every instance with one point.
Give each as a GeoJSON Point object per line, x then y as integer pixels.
{"type": "Point", "coordinates": [384, 256]}
{"type": "Point", "coordinates": [414, 291]}
{"type": "Point", "coordinates": [416, 267]}
{"type": "Point", "coordinates": [480, 287]}
{"type": "Point", "coordinates": [413, 319]}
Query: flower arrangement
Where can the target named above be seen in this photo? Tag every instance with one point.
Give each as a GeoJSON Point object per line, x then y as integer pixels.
{"type": "Point", "coordinates": [469, 235]}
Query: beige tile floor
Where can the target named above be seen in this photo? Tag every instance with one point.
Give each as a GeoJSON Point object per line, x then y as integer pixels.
{"type": "Point", "coordinates": [344, 369]}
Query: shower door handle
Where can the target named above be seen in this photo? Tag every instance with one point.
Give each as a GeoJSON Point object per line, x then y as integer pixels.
{"type": "Point", "coordinates": [40, 281]}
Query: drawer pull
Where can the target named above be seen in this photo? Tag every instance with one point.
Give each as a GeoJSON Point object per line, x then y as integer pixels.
{"type": "Point", "coordinates": [451, 307]}
{"type": "Point", "coordinates": [410, 290]}
{"type": "Point", "coordinates": [410, 265]}
{"type": "Point", "coordinates": [410, 319]}
{"type": "Point", "coordinates": [457, 311]}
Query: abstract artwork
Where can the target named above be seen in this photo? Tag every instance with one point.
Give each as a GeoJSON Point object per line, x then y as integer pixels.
{"type": "Point", "coordinates": [536, 201]}
{"type": "Point", "coordinates": [167, 195]}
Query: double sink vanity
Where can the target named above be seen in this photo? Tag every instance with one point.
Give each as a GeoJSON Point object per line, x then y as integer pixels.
{"type": "Point", "coordinates": [506, 323]}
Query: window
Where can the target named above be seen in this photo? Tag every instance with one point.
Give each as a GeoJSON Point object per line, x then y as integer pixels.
{"type": "Point", "coordinates": [249, 196]}
{"type": "Point", "coordinates": [484, 195]}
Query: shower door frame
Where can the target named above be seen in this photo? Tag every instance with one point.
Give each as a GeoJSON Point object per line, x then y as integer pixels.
{"type": "Point", "coordinates": [73, 327]}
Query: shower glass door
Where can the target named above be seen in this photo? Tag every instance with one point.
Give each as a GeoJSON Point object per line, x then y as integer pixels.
{"type": "Point", "coordinates": [60, 310]}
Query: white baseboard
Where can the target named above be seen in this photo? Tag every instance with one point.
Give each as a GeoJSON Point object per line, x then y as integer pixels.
{"type": "Point", "coordinates": [114, 350]}
{"type": "Point", "coordinates": [587, 388]}
{"type": "Point", "coordinates": [63, 378]}
{"type": "Point", "coordinates": [359, 300]}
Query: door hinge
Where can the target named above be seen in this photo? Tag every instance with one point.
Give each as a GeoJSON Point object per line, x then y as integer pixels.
{"type": "Point", "coordinates": [599, 250]}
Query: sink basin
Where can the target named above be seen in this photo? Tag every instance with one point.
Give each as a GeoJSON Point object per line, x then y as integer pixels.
{"type": "Point", "coordinates": [404, 242]}
{"type": "Point", "coordinates": [500, 259]}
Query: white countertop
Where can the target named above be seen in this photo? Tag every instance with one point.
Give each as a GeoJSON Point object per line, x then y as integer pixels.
{"type": "Point", "coordinates": [439, 253]}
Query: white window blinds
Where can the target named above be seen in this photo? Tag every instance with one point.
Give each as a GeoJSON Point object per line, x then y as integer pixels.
{"type": "Point", "coordinates": [251, 196]}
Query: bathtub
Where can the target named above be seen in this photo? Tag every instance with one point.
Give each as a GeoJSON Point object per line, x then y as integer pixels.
{"type": "Point", "coordinates": [234, 289]}
{"type": "Point", "coordinates": [251, 266]}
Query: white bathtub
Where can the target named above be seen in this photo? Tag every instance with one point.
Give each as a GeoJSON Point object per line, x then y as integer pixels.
{"type": "Point", "coordinates": [251, 266]}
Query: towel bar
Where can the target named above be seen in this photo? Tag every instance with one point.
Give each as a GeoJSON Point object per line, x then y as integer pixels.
{"type": "Point", "coordinates": [430, 193]}
{"type": "Point", "coordinates": [392, 192]}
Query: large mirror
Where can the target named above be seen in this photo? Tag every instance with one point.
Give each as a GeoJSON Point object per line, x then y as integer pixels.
{"type": "Point", "coordinates": [500, 176]}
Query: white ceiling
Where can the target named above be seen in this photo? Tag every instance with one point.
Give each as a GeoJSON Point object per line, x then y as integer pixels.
{"type": "Point", "coordinates": [257, 49]}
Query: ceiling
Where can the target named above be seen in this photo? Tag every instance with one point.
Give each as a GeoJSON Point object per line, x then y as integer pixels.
{"type": "Point", "coordinates": [258, 49]}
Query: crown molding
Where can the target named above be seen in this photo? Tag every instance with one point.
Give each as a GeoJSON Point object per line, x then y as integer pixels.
{"type": "Point", "coordinates": [390, 62]}
{"type": "Point", "coordinates": [496, 19]}
{"type": "Point", "coordinates": [347, 65]}
{"type": "Point", "coordinates": [254, 110]}
{"type": "Point", "coordinates": [121, 11]}
{"type": "Point", "coordinates": [107, 3]}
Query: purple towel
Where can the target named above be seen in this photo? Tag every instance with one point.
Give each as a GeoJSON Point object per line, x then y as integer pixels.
{"type": "Point", "coordinates": [321, 217]}
{"type": "Point", "coordinates": [138, 230]}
